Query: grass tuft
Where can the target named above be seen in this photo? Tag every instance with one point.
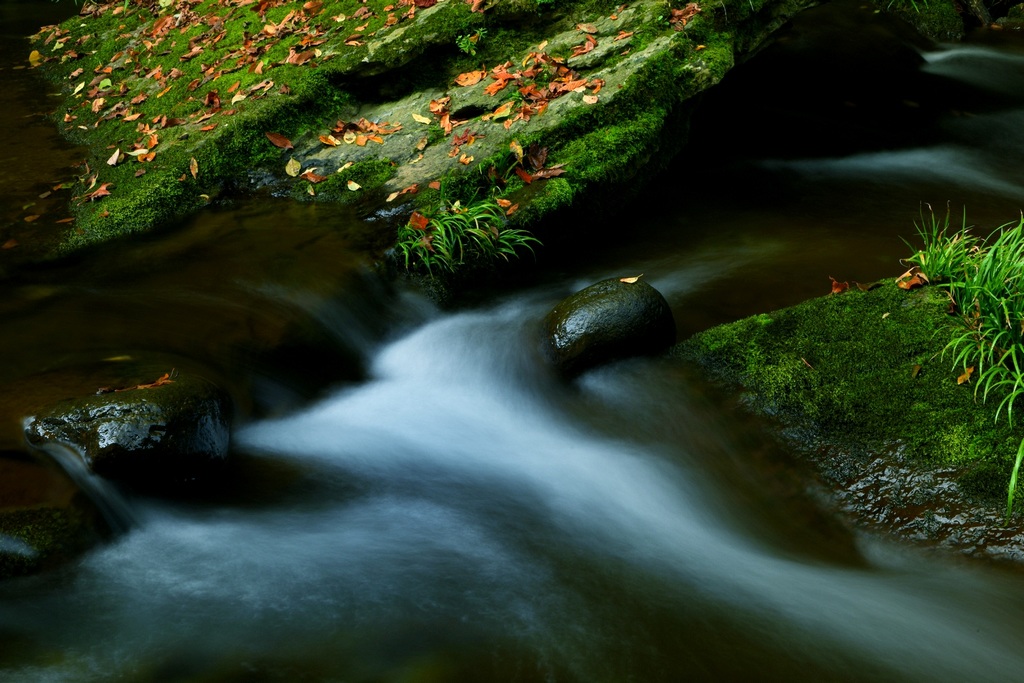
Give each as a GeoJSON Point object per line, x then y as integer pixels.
{"type": "Point", "coordinates": [984, 279]}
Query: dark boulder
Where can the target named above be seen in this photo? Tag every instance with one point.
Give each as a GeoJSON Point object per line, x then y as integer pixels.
{"type": "Point", "coordinates": [173, 432]}
{"type": "Point", "coordinates": [614, 318]}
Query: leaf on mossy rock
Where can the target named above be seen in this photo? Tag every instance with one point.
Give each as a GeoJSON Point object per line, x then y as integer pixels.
{"type": "Point", "coordinates": [838, 287]}
{"type": "Point", "coordinates": [293, 167]}
{"type": "Point", "coordinates": [470, 78]}
{"type": "Point", "coordinates": [966, 376]}
{"type": "Point", "coordinates": [631, 280]}
{"type": "Point", "coordinates": [279, 140]}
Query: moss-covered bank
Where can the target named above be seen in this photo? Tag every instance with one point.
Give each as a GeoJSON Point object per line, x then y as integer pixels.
{"type": "Point", "coordinates": [377, 102]}
{"type": "Point", "coordinates": [864, 372]}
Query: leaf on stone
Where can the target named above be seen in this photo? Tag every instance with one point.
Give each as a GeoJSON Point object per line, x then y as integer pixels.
{"type": "Point", "coordinates": [99, 192]}
{"type": "Point", "coordinates": [516, 149]}
{"type": "Point", "coordinates": [330, 140]}
{"type": "Point", "coordinates": [160, 381]}
{"type": "Point", "coordinates": [631, 280]}
{"type": "Point", "coordinates": [590, 99]}
{"type": "Point", "coordinates": [966, 376]}
{"type": "Point", "coordinates": [353, 185]}
{"type": "Point", "coordinates": [279, 140]}
{"type": "Point", "coordinates": [470, 78]}
{"type": "Point", "coordinates": [838, 287]}
{"type": "Point", "coordinates": [422, 144]}
{"type": "Point", "coordinates": [916, 280]}
{"type": "Point", "coordinates": [587, 28]}
{"type": "Point", "coordinates": [293, 167]}
{"type": "Point", "coordinates": [313, 177]}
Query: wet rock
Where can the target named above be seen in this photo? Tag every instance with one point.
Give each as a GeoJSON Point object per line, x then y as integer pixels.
{"type": "Point", "coordinates": [611, 319]}
{"type": "Point", "coordinates": [44, 519]}
{"type": "Point", "coordinates": [161, 435]}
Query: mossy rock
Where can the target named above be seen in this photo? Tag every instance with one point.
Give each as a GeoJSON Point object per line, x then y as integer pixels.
{"type": "Point", "coordinates": [44, 519]}
{"type": "Point", "coordinates": [865, 372]}
{"type": "Point", "coordinates": [163, 435]}
{"type": "Point", "coordinates": [614, 318]}
{"type": "Point", "coordinates": [194, 88]}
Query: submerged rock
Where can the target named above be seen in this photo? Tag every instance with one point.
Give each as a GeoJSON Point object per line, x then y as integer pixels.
{"type": "Point", "coordinates": [611, 319]}
{"type": "Point", "coordinates": [44, 518]}
{"type": "Point", "coordinates": [158, 435]}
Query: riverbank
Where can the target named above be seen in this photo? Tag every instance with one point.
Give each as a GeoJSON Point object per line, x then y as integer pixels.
{"type": "Point", "coordinates": [859, 381]}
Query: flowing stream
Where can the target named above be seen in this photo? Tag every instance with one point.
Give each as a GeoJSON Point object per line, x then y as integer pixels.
{"type": "Point", "coordinates": [416, 497]}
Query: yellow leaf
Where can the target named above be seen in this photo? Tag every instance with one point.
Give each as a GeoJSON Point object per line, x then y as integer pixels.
{"type": "Point", "coordinates": [421, 119]}
{"type": "Point", "coordinates": [631, 280]}
{"type": "Point", "coordinates": [293, 167]}
{"type": "Point", "coordinates": [353, 185]}
{"type": "Point", "coordinates": [35, 58]}
{"type": "Point", "coordinates": [348, 164]}
{"type": "Point", "coordinates": [349, 137]}
{"type": "Point", "coordinates": [422, 144]}
{"type": "Point", "coordinates": [516, 149]}
{"type": "Point", "coordinates": [966, 377]}
{"type": "Point", "coordinates": [393, 196]}
{"type": "Point", "coordinates": [503, 111]}
{"type": "Point", "coordinates": [78, 88]}
{"type": "Point", "coordinates": [193, 167]}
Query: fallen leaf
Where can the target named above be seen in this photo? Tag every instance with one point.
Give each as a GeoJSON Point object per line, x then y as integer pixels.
{"type": "Point", "coordinates": [313, 177]}
{"type": "Point", "coordinates": [161, 381]}
{"type": "Point", "coordinates": [504, 203]}
{"type": "Point", "coordinates": [918, 280]}
{"type": "Point", "coordinates": [517, 150]}
{"type": "Point", "coordinates": [330, 140]}
{"type": "Point", "coordinates": [587, 28]}
{"type": "Point", "coordinates": [631, 280]}
{"type": "Point", "coordinates": [419, 118]}
{"type": "Point", "coordinates": [422, 144]}
{"type": "Point", "coordinates": [418, 221]}
{"type": "Point", "coordinates": [114, 158]}
{"type": "Point", "coordinates": [465, 160]}
{"type": "Point", "coordinates": [9, 244]}
{"type": "Point", "coordinates": [99, 192]}
{"type": "Point", "coordinates": [915, 371]}
{"type": "Point", "coordinates": [279, 140]}
{"type": "Point", "coordinates": [193, 167]}
{"type": "Point", "coordinates": [35, 58]}
{"type": "Point", "coordinates": [511, 210]}
{"type": "Point", "coordinates": [966, 377]}
{"type": "Point", "coordinates": [32, 218]}
{"type": "Point", "coordinates": [353, 185]}
{"type": "Point", "coordinates": [590, 99]}
{"type": "Point", "coordinates": [838, 287]}
{"type": "Point", "coordinates": [470, 78]}
{"type": "Point", "coordinates": [293, 167]}
{"type": "Point", "coordinates": [434, 185]}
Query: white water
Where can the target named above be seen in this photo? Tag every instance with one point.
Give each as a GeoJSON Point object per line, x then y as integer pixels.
{"type": "Point", "coordinates": [461, 493]}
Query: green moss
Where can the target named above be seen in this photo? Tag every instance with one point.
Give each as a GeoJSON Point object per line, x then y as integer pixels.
{"type": "Point", "coordinates": [866, 370]}
{"type": "Point", "coordinates": [938, 20]}
{"type": "Point", "coordinates": [369, 175]}
{"type": "Point", "coordinates": [52, 534]}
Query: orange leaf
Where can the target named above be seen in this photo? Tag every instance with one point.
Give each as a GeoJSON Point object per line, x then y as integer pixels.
{"type": "Point", "coordinates": [838, 287]}
{"type": "Point", "coordinates": [527, 178]}
{"type": "Point", "coordinates": [418, 221]}
{"type": "Point", "coordinates": [470, 78]}
{"type": "Point", "coordinates": [313, 177]}
{"type": "Point", "coordinates": [279, 140]}
{"type": "Point", "coordinates": [966, 377]}
{"type": "Point", "coordinates": [916, 281]}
